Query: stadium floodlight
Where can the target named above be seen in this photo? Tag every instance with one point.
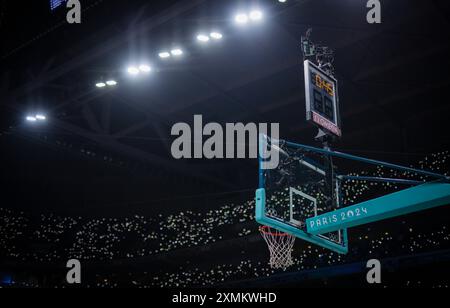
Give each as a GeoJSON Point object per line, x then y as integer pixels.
{"type": "Point", "coordinates": [164, 55]}
{"type": "Point", "coordinates": [31, 119]}
{"type": "Point", "coordinates": [111, 83]}
{"type": "Point", "coordinates": [176, 52]}
{"type": "Point", "coordinates": [216, 35]}
{"type": "Point", "coordinates": [132, 70]}
{"type": "Point", "coordinates": [241, 19]}
{"type": "Point", "coordinates": [100, 85]}
{"type": "Point", "coordinates": [203, 38]}
{"type": "Point", "coordinates": [144, 68]}
{"type": "Point", "coordinates": [41, 117]}
{"type": "Point", "coordinates": [256, 15]}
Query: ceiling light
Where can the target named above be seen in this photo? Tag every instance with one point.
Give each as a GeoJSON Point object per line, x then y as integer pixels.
{"type": "Point", "coordinates": [31, 119]}
{"type": "Point", "coordinates": [132, 70]}
{"type": "Point", "coordinates": [177, 52]}
{"type": "Point", "coordinates": [241, 19]}
{"type": "Point", "coordinates": [111, 82]}
{"type": "Point", "coordinates": [203, 38]}
{"type": "Point", "coordinates": [216, 35]}
{"type": "Point", "coordinates": [256, 15]}
{"type": "Point", "coordinates": [145, 68]}
{"type": "Point", "coordinates": [100, 85]}
{"type": "Point", "coordinates": [41, 117]}
{"type": "Point", "coordinates": [164, 55]}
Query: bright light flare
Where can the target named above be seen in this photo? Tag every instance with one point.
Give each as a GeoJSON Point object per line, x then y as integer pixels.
{"type": "Point", "coordinates": [145, 68]}
{"type": "Point", "coordinates": [132, 70]}
{"type": "Point", "coordinates": [164, 55]}
{"type": "Point", "coordinates": [100, 85]}
{"type": "Point", "coordinates": [216, 35]}
{"type": "Point", "coordinates": [202, 38]}
{"type": "Point", "coordinates": [31, 119]}
{"type": "Point", "coordinates": [41, 117]}
{"type": "Point", "coordinates": [241, 19]}
{"type": "Point", "coordinates": [256, 15]}
{"type": "Point", "coordinates": [111, 83]}
{"type": "Point", "coordinates": [176, 52]}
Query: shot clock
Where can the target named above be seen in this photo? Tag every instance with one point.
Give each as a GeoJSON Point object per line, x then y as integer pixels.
{"type": "Point", "coordinates": [322, 100]}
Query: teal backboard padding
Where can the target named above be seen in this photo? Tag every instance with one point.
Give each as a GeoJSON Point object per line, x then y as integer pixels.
{"type": "Point", "coordinates": [283, 227]}
{"type": "Point", "coordinates": [404, 202]}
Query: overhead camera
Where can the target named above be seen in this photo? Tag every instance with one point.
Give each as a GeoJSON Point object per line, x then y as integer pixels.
{"type": "Point", "coordinates": [308, 47]}
{"type": "Point", "coordinates": [323, 56]}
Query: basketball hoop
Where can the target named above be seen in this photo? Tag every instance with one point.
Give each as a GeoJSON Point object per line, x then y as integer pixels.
{"type": "Point", "coordinates": [280, 246]}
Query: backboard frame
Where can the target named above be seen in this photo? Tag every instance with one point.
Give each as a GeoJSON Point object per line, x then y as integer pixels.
{"type": "Point", "coordinates": [293, 226]}
{"type": "Point", "coordinates": [424, 194]}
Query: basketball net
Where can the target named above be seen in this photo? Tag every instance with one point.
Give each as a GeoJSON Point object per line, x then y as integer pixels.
{"type": "Point", "coordinates": [280, 246]}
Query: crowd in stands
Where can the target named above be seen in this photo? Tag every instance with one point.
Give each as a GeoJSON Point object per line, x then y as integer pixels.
{"type": "Point", "coordinates": [50, 238]}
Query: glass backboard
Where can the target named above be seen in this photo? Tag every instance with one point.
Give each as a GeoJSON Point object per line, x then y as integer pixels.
{"type": "Point", "coordinates": [304, 185]}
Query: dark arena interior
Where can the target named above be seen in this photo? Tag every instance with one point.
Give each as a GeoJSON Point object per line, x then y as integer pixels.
{"type": "Point", "coordinates": [87, 112]}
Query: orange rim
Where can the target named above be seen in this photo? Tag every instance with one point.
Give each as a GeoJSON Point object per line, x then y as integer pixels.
{"type": "Point", "coordinates": [266, 230]}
